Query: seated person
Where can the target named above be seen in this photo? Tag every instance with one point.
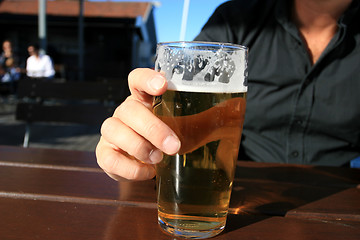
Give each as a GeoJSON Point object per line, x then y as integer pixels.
{"type": "Point", "coordinates": [303, 89]}
{"type": "Point", "coordinates": [9, 64]}
{"type": "Point", "coordinates": [39, 65]}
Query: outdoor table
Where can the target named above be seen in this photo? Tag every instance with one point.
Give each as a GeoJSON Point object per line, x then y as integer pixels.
{"type": "Point", "coordinates": [61, 194]}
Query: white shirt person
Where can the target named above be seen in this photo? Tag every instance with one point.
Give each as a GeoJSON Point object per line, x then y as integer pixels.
{"type": "Point", "coordinates": [39, 65]}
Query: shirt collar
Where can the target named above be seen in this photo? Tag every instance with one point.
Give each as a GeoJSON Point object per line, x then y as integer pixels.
{"type": "Point", "coordinates": [283, 15]}
{"type": "Point", "coordinates": [350, 14]}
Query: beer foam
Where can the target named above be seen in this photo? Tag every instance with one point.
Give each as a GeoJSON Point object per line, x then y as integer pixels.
{"type": "Point", "coordinates": [218, 68]}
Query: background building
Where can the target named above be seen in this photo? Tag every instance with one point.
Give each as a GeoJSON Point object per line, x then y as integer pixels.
{"type": "Point", "coordinates": [118, 36]}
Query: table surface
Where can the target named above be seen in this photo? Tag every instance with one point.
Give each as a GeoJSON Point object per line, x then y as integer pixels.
{"type": "Point", "coordinates": [62, 194]}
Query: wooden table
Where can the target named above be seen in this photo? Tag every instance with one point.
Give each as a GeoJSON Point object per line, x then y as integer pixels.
{"type": "Point", "coordinates": [56, 194]}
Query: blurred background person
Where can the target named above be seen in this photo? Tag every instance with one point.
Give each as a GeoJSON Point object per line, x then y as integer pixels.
{"type": "Point", "coordinates": [9, 66]}
{"type": "Point", "coordinates": [39, 65]}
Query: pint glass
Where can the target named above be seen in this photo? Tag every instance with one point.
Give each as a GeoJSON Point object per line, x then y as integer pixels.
{"type": "Point", "coordinates": [205, 106]}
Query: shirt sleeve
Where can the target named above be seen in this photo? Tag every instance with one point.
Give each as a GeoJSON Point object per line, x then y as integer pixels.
{"type": "Point", "coordinates": [237, 21]}
{"type": "Point", "coordinates": [217, 28]}
{"type": "Point", "coordinates": [49, 68]}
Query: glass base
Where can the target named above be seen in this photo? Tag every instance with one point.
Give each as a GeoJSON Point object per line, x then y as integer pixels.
{"type": "Point", "coordinates": [188, 233]}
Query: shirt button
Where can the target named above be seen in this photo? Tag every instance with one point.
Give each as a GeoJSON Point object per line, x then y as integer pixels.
{"type": "Point", "coordinates": [299, 122]}
{"type": "Point", "coordinates": [295, 154]}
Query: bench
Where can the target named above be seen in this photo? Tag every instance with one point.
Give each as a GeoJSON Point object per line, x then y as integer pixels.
{"type": "Point", "coordinates": [88, 103]}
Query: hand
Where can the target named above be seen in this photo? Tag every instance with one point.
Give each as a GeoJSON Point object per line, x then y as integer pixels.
{"type": "Point", "coordinates": [134, 139]}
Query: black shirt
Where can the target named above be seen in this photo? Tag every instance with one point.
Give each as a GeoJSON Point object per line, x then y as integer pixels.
{"type": "Point", "coordinates": [296, 112]}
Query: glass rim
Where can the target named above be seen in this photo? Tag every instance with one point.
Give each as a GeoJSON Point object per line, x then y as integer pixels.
{"type": "Point", "coordinates": [203, 43]}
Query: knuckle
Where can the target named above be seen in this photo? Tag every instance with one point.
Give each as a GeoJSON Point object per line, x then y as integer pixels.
{"type": "Point", "coordinates": [124, 107]}
{"type": "Point", "coordinates": [140, 149]}
{"type": "Point", "coordinates": [99, 156]}
{"type": "Point", "coordinates": [135, 173]}
{"type": "Point", "coordinates": [109, 164]}
{"type": "Point", "coordinates": [106, 126]}
{"type": "Point", "coordinates": [132, 75]}
{"type": "Point", "coordinates": [121, 108]}
{"type": "Point", "coordinates": [152, 128]}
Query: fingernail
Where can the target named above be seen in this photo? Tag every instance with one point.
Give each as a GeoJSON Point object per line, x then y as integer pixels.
{"type": "Point", "coordinates": [155, 156]}
{"type": "Point", "coordinates": [157, 82]}
{"type": "Point", "coordinates": [171, 144]}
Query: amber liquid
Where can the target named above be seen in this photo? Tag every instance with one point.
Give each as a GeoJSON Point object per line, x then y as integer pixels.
{"type": "Point", "coordinates": [194, 186]}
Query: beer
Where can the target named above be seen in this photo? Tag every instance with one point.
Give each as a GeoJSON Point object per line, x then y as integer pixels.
{"type": "Point", "coordinates": [194, 186]}
{"type": "Point", "coordinates": [205, 106]}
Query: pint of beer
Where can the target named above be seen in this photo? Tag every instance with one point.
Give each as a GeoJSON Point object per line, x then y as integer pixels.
{"type": "Point", "coordinates": [205, 106]}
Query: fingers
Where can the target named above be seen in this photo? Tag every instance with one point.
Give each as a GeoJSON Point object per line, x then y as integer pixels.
{"type": "Point", "coordinates": [146, 83]}
{"type": "Point", "coordinates": [120, 135]}
{"type": "Point", "coordinates": [136, 130]}
{"type": "Point", "coordinates": [134, 138]}
{"type": "Point", "coordinates": [118, 164]}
